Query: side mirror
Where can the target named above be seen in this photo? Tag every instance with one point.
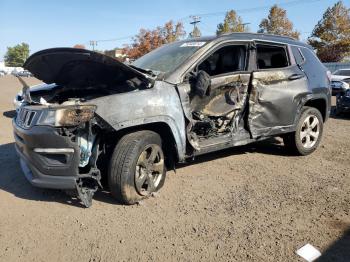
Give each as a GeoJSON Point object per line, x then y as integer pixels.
{"type": "Point", "coordinates": [202, 83]}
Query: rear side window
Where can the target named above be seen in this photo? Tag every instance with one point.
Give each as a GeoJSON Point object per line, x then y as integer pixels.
{"type": "Point", "coordinates": [299, 57]}
{"type": "Point", "coordinates": [269, 57]}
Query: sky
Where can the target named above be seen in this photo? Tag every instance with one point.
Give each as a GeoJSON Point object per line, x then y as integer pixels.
{"type": "Point", "coordinates": [46, 24]}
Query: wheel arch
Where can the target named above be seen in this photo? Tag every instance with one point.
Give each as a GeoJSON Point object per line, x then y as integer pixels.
{"type": "Point", "coordinates": [320, 104]}
{"type": "Point", "coordinates": [170, 145]}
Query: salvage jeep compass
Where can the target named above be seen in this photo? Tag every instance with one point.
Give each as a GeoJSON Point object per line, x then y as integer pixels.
{"type": "Point", "coordinates": [97, 121]}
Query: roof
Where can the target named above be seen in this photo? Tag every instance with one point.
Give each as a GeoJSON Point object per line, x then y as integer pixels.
{"type": "Point", "coordinates": [253, 36]}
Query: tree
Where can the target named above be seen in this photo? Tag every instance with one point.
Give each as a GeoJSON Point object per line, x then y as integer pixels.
{"type": "Point", "coordinates": [331, 35]}
{"type": "Point", "coordinates": [172, 33]}
{"type": "Point", "coordinates": [232, 23]}
{"type": "Point", "coordinates": [17, 55]}
{"type": "Point", "coordinates": [148, 40]}
{"type": "Point", "coordinates": [278, 23]}
{"type": "Point", "coordinates": [79, 46]}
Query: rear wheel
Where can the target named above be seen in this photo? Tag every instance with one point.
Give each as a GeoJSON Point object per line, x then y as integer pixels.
{"type": "Point", "coordinates": [308, 134]}
{"type": "Point", "coordinates": [137, 167]}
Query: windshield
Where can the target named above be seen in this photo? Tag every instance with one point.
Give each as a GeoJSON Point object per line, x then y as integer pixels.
{"type": "Point", "coordinates": [342, 72]}
{"type": "Point", "coordinates": [168, 57]}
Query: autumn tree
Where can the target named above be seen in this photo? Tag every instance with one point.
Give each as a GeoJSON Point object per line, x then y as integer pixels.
{"type": "Point", "coordinates": [277, 23]}
{"type": "Point", "coordinates": [79, 46]}
{"type": "Point", "coordinates": [148, 40]}
{"type": "Point", "coordinates": [17, 55]}
{"type": "Point", "coordinates": [331, 36]}
{"type": "Point", "coordinates": [232, 23]}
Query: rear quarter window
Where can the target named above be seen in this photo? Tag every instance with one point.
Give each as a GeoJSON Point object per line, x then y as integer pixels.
{"type": "Point", "coordinates": [314, 69]}
{"type": "Point", "coordinates": [299, 57]}
{"type": "Point", "coordinates": [311, 58]}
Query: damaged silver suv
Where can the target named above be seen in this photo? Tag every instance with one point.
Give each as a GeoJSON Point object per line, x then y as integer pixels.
{"type": "Point", "coordinates": [98, 122]}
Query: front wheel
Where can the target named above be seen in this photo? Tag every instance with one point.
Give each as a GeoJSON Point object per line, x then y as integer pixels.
{"type": "Point", "coordinates": [137, 167]}
{"type": "Point", "coordinates": [308, 134]}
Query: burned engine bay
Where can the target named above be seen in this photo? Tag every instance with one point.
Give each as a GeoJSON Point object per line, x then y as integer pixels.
{"type": "Point", "coordinates": [59, 94]}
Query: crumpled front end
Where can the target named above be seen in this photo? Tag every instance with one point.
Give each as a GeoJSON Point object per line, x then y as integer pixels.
{"type": "Point", "coordinates": [59, 147]}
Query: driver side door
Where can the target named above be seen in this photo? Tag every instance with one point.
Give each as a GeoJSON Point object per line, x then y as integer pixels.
{"type": "Point", "coordinates": [228, 69]}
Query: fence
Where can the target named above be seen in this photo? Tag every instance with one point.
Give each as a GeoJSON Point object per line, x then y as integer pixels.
{"type": "Point", "coordinates": [335, 66]}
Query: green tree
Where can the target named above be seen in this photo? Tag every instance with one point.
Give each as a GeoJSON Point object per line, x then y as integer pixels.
{"type": "Point", "coordinates": [17, 55]}
{"type": "Point", "coordinates": [331, 35]}
{"type": "Point", "coordinates": [277, 23]}
{"type": "Point", "coordinates": [232, 23]}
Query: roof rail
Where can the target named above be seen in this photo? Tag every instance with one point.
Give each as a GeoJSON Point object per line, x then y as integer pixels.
{"type": "Point", "coordinates": [260, 34]}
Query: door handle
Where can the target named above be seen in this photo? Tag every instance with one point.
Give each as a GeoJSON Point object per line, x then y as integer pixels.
{"type": "Point", "coordinates": [295, 77]}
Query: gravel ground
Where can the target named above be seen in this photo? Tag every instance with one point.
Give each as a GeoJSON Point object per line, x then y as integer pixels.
{"type": "Point", "coordinates": [251, 203]}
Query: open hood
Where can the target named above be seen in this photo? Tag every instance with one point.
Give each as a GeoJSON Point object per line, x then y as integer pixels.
{"type": "Point", "coordinates": [79, 67]}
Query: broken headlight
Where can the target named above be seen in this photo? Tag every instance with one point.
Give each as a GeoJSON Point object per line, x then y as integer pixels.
{"type": "Point", "coordinates": [67, 116]}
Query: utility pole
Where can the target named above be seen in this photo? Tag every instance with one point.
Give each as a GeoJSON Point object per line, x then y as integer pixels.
{"type": "Point", "coordinates": [196, 20]}
{"type": "Point", "coordinates": [244, 25]}
{"type": "Point", "coordinates": [93, 44]}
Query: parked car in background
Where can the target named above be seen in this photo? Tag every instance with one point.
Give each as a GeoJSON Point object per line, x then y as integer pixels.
{"type": "Point", "coordinates": [24, 73]}
{"type": "Point", "coordinates": [342, 75]}
{"type": "Point", "coordinates": [338, 87]}
{"type": "Point", "coordinates": [2, 73]}
{"type": "Point", "coordinates": [343, 100]}
{"type": "Point", "coordinates": [129, 123]}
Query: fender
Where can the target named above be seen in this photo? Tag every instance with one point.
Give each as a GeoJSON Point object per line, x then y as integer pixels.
{"type": "Point", "coordinates": [159, 104]}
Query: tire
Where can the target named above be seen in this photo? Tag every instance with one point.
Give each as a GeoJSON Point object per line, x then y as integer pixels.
{"type": "Point", "coordinates": [306, 138]}
{"type": "Point", "coordinates": [131, 174]}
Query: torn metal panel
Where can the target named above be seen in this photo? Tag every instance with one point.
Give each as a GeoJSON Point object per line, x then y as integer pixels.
{"type": "Point", "coordinates": [158, 104]}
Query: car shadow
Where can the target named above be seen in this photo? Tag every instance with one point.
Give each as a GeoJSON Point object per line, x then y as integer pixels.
{"type": "Point", "coordinates": [9, 114]}
{"type": "Point", "coordinates": [339, 251]}
{"type": "Point", "coordinates": [13, 181]}
{"type": "Point", "coordinates": [272, 146]}
{"type": "Point", "coordinates": [342, 116]}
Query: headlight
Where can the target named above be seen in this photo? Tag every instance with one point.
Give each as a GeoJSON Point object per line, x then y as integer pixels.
{"type": "Point", "coordinates": [67, 116]}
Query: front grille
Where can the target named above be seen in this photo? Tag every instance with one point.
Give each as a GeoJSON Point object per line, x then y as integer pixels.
{"type": "Point", "coordinates": [25, 118]}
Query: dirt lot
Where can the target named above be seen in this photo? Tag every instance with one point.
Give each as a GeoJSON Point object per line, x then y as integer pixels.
{"type": "Point", "coordinates": [252, 203]}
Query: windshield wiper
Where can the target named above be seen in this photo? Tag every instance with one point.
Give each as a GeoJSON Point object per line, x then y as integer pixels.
{"type": "Point", "coordinates": [146, 71]}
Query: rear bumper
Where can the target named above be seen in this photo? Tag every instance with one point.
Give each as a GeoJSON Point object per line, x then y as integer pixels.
{"type": "Point", "coordinates": [48, 160]}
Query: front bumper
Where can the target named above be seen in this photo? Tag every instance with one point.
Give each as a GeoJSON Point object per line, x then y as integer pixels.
{"type": "Point", "coordinates": [48, 160]}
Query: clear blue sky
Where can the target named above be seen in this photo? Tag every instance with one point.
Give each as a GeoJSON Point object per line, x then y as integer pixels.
{"type": "Point", "coordinates": [44, 24]}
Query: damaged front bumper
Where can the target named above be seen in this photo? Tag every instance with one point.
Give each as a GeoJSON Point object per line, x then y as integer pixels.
{"type": "Point", "coordinates": [48, 160]}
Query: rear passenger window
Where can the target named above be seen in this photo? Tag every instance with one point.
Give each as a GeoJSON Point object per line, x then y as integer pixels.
{"type": "Point", "coordinates": [299, 57]}
{"type": "Point", "coordinates": [269, 57]}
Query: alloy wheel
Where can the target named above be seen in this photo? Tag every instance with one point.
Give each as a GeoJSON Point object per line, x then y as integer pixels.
{"type": "Point", "coordinates": [149, 169]}
{"type": "Point", "coordinates": [310, 131]}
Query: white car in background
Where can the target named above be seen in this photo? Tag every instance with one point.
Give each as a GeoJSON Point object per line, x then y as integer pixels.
{"type": "Point", "coordinates": [342, 75]}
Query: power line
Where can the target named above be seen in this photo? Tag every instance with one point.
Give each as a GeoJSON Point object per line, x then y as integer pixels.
{"type": "Point", "coordinates": [252, 9]}
{"type": "Point", "coordinates": [195, 18]}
